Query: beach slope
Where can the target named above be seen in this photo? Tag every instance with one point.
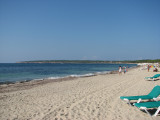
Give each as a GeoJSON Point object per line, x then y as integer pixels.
{"type": "Point", "coordinates": [87, 98]}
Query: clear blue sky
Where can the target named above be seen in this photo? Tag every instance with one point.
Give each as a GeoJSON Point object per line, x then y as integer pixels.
{"type": "Point", "coordinates": [79, 30]}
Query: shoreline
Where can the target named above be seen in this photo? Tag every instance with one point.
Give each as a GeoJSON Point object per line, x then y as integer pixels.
{"type": "Point", "coordinates": [28, 84]}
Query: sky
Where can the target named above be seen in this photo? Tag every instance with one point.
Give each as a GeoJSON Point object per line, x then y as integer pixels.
{"type": "Point", "coordinates": [79, 30]}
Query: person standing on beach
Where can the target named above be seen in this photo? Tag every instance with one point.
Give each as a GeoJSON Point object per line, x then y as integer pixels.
{"type": "Point", "coordinates": [120, 70]}
{"type": "Point", "coordinates": [148, 67]}
{"type": "Point", "coordinates": [124, 69]}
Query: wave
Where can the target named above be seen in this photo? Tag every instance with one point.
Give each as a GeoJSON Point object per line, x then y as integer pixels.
{"type": "Point", "coordinates": [78, 76]}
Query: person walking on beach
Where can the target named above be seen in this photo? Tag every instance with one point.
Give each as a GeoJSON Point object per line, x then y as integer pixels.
{"type": "Point", "coordinates": [120, 70]}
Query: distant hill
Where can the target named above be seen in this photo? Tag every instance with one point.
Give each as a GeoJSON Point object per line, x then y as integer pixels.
{"type": "Point", "coordinates": [92, 61]}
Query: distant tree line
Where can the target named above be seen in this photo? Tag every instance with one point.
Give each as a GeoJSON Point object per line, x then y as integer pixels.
{"type": "Point", "coordinates": [144, 61]}
{"type": "Point", "coordinates": [92, 61]}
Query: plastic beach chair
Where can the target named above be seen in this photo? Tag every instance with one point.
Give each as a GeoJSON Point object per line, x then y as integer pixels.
{"type": "Point", "coordinates": [152, 78]}
{"type": "Point", "coordinates": [153, 95]}
{"type": "Point", "coordinates": [147, 105]}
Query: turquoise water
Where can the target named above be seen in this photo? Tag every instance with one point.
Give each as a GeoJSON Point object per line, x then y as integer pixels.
{"type": "Point", "coordinates": [13, 72]}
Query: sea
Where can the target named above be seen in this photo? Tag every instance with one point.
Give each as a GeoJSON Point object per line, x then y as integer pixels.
{"type": "Point", "coordinates": [19, 72]}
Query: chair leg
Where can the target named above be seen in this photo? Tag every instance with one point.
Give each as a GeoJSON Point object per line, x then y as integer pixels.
{"type": "Point", "coordinates": [156, 113]}
{"type": "Point", "coordinates": [127, 101]}
{"type": "Point", "coordinates": [139, 100]}
{"type": "Point", "coordinates": [144, 108]}
{"type": "Point", "coordinates": [156, 99]}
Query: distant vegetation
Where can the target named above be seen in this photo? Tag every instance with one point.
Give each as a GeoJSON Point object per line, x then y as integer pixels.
{"type": "Point", "coordinates": [144, 61]}
{"type": "Point", "coordinates": [66, 61]}
{"type": "Point", "coordinates": [91, 61]}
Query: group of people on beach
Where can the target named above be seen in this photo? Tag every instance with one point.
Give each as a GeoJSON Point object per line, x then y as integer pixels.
{"type": "Point", "coordinates": [122, 69]}
{"type": "Point", "coordinates": [151, 66]}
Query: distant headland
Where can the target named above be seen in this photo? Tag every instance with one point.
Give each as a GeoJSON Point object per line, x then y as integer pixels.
{"type": "Point", "coordinates": [92, 61]}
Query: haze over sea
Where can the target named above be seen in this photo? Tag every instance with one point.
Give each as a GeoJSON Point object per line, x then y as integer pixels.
{"type": "Point", "coordinates": [13, 72]}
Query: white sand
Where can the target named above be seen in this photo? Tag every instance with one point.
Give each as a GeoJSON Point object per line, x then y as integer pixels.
{"type": "Point", "coordinates": [89, 98]}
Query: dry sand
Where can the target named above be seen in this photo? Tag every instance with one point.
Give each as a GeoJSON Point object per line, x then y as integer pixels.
{"type": "Point", "coordinates": [89, 98]}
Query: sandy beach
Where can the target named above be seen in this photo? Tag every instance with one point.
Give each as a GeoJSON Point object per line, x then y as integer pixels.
{"type": "Point", "coordinates": [87, 98]}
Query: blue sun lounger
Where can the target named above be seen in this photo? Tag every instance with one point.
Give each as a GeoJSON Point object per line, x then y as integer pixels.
{"type": "Point", "coordinates": [148, 105]}
{"type": "Point", "coordinates": [153, 95]}
{"type": "Point", "coordinates": [152, 78]}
